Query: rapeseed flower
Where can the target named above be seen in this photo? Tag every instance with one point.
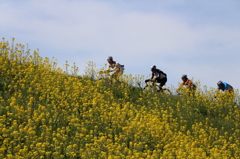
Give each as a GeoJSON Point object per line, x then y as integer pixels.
{"type": "Point", "coordinates": [45, 112]}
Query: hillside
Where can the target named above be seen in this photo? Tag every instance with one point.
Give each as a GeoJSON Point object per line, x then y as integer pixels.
{"type": "Point", "coordinates": [47, 113]}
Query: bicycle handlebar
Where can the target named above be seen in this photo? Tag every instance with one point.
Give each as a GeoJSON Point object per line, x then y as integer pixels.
{"type": "Point", "coordinates": [104, 72]}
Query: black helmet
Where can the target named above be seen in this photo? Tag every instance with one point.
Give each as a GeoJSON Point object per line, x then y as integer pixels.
{"type": "Point", "coordinates": [153, 68]}
{"type": "Point", "coordinates": [184, 76]}
{"type": "Point", "coordinates": [110, 58]}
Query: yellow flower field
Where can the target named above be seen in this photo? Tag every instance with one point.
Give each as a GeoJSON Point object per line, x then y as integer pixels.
{"type": "Point", "coordinates": [50, 112]}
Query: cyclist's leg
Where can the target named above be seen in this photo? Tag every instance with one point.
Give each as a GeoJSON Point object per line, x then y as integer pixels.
{"type": "Point", "coordinates": [146, 82]}
{"type": "Point", "coordinates": [192, 90]}
{"type": "Point", "coordinates": [162, 83]}
{"type": "Point", "coordinates": [117, 75]}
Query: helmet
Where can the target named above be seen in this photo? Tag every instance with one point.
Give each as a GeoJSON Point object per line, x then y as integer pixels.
{"type": "Point", "coordinates": [219, 83]}
{"type": "Point", "coordinates": [110, 58]}
{"type": "Point", "coordinates": [153, 67]}
{"type": "Point", "coordinates": [184, 76]}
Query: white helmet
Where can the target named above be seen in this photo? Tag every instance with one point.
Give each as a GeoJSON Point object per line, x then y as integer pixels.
{"type": "Point", "coordinates": [153, 67]}
{"type": "Point", "coordinates": [219, 83]}
{"type": "Point", "coordinates": [110, 58]}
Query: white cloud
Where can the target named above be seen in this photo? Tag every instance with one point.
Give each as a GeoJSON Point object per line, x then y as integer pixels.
{"type": "Point", "coordinates": [97, 25]}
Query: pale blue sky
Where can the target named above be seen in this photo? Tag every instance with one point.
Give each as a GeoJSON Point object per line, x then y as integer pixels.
{"type": "Point", "coordinates": [198, 38]}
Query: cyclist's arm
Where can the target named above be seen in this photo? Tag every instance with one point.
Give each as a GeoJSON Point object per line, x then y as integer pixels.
{"type": "Point", "coordinates": [218, 93]}
{"type": "Point", "coordinates": [189, 84]}
{"type": "Point", "coordinates": [152, 75]}
{"type": "Point", "coordinates": [110, 69]}
{"type": "Point", "coordinates": [117, 70]}
{"type": "Point", "coordinates": [218, 89]}
{"type": "Point", "coordinates": [180, 86]}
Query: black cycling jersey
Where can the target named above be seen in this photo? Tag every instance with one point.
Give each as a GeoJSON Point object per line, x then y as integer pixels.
{"type": "Point", "coordinates": [159, 74]}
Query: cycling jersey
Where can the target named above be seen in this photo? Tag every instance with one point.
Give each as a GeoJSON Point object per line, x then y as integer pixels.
{"type": "Point", "coordinates": [159, 74]}
{"type": "Point", "coordinates": [226, 87]}
{"type": "Point", "coordinates": [190, 86]}
{"type": "Point", "coordinates": [187, 83]}
{"type": "Point", "coordinates": [118, 68]}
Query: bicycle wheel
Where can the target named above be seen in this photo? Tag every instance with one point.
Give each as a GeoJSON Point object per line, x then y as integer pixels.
{"type": "Point", "coordinates": [166, 91]}
{"type": "Point", "coordinates": [150, 88]}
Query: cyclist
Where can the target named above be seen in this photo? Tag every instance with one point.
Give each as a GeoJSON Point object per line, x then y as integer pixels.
{"type": "Point", "coordinates": [228, 89]}
{"type": "Point", "coordinates": [224, 86]}
{"type": "Point", "coordinates": [160, 77]}
{"type": "Point", "coordinates": [114, 66]}
{"type": "Point", "coordinates": [188, 83]}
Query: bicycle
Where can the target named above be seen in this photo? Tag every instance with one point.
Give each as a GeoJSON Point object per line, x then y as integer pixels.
{"type": "Point", "coordinates": [154, 87]}
{"type": "Point", "coordinates": [107, 77]}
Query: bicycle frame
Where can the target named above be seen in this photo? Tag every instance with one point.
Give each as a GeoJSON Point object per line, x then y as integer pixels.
{"type": "Point", "coordinates": [105, 75]}
{"type": "Point", "coordinates": [153, 87]}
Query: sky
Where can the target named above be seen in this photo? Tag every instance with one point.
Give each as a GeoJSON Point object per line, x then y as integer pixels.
{"type": "Point", "coordinates": [198, 38]}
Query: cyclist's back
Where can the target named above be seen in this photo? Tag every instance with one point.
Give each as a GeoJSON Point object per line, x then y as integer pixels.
{"type": "Point", "coordinates": [224, 86]}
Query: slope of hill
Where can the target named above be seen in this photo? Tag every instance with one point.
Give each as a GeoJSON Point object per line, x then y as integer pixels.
{"type": "Point", "coordinates": [46, 113]}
